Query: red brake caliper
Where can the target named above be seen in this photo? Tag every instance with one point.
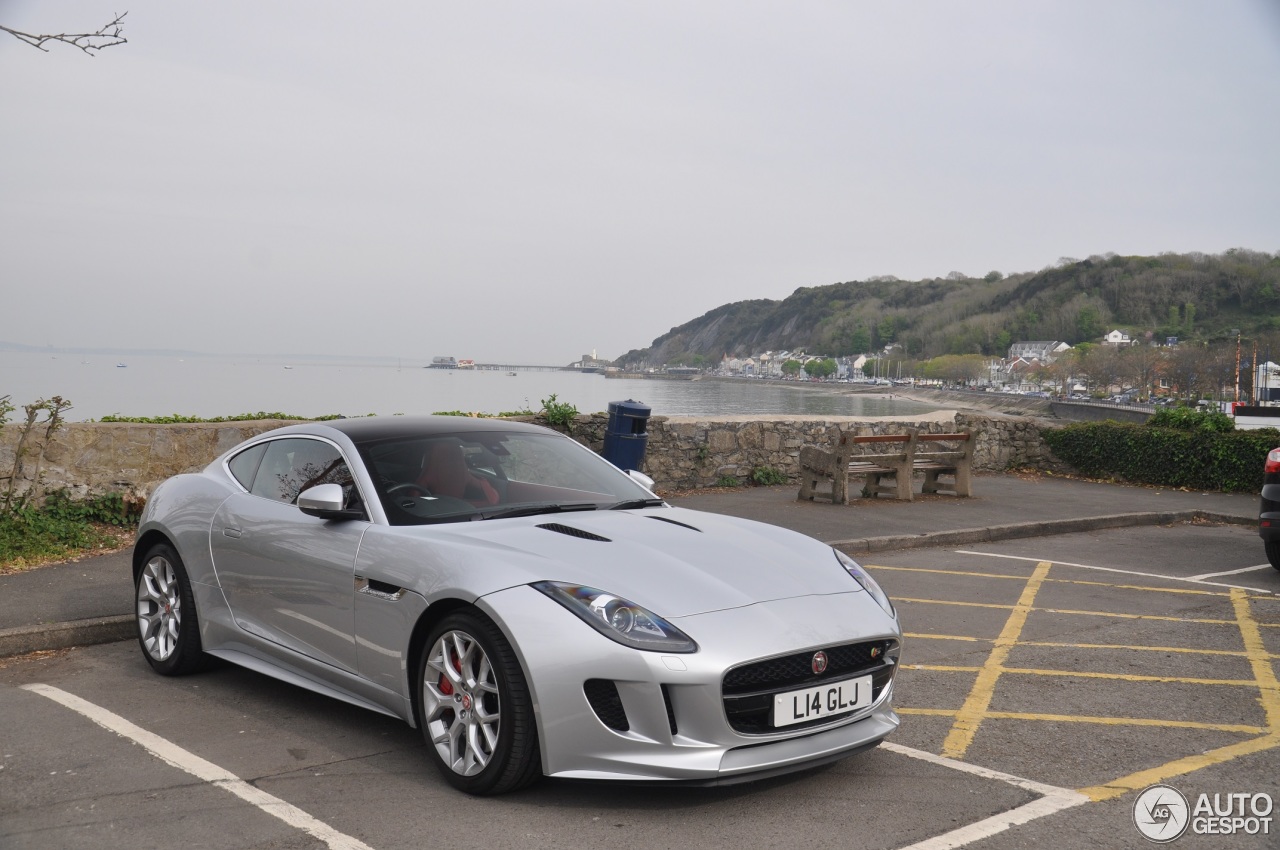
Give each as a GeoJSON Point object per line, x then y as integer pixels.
{"type": "Point", "coordinates": [446, 687]}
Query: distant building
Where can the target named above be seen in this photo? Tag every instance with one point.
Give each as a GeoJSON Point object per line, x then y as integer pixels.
{"type": "Point", "coordinates": [1118, 338]}
{"type": "Point", "coordinates": [1046, 351]}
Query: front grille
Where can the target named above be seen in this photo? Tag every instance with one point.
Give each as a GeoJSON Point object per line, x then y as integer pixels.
{"type": "Point", "coordinates": [602, 694]}
{"type": "Point", "coordinates": [749, 689]}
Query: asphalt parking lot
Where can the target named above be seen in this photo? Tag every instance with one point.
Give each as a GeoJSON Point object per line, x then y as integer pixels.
{"type": "Point", "coordinates": [1045, 682]}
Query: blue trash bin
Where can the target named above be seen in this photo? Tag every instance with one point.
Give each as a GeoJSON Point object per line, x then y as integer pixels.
{"type": "Point", "coordinates": [627, 435]}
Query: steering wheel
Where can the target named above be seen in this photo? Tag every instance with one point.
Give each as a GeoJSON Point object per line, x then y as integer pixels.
{"type": "Point", "coordinates": [418, 489]}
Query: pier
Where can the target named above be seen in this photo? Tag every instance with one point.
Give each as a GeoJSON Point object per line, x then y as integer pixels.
{"type": "Point", "coordinates": [503, 367]}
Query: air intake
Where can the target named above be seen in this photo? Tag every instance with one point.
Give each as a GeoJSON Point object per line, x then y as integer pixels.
{"type": "Point", "coordinates": [677, 522]}
{"type": "Point", "coordinates": [605, 702]}
{"type": "Point", "coordinates": [573, 532]}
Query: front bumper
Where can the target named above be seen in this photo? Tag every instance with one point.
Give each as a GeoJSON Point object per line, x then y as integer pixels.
{"type": "Point", "coordinates": [676, 728]}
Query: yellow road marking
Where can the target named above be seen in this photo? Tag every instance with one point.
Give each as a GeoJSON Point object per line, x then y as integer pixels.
{"type": "Point", "coordinates": [970, 574]}
{"type": "Point", "coordinates": [976, 708]}
{"type": "Point", "coordinates": [970, 715]}
{"type": "Point", "coordinates": [1268, 697]}
{"type": "Point", "coordinates": [914, 635]}
{"type": "Point", "coordinates": [1124, 677]}
{"type": "Point", "coordinates": [1241, 728]}
{"type": "Point", "coordinates": [1179, 767]}
{"type": "Point", "coordinates": [1259, 660]}
{"type": "Point", "coordinates": [1234, 653]}
{"type": "Point", "coordinates": [1072, 612]}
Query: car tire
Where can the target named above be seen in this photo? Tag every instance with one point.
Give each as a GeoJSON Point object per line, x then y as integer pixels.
{"type": "Point", "coordinates": [168, 628]}
{"type": "Point", "coordinates": [477, 715]}
{"type": "Point", "coordinates": [1273, 552]}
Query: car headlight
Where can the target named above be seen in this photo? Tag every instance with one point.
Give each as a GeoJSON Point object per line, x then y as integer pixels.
{"type": "Point", "coordinates": [863, 578]}
{"type": "Point", "coordinates": [617, 618]}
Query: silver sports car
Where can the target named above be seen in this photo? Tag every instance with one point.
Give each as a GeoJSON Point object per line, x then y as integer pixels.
{"type": "Point", "coordinates": [530, 607]}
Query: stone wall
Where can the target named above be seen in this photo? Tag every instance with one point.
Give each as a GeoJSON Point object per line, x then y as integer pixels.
{"type": "Point", "coordinates": [691, 452]}
{"type": "Point", "coordinates": [683, 452]}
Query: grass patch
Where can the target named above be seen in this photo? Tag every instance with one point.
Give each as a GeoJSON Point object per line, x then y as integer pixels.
{"type": "Point", "coordinates": [62, 529]}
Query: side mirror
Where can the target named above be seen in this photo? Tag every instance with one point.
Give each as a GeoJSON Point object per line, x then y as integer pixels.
{"type": "Point", "coordinates": [640, 478]}
{"type": "Point", "coordinates": [325, 501]}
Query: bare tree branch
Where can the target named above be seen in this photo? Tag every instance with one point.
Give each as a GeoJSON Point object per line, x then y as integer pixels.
{"type": "Point", "coordinates": [90, 42]}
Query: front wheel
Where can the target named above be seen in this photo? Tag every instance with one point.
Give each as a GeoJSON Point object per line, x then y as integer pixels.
{"type": "Point", "coordinates": [477, 716]}
{"type": "Point", "coordinates": [168, 629]}
{"type": "Point", "coordinates": [1273, 552]}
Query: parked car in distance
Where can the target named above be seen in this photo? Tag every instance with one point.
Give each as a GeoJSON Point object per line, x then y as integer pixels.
{"type": "Point", "coordinates": [528, 606]}
{"type": "Point", "coordinates": [1269, 514]}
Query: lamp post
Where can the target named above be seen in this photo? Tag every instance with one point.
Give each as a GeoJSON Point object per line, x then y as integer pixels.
{"type": "Point", "coordinates": [1236, 331]}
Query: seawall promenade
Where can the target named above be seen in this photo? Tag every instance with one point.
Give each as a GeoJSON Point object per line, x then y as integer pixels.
{"type": "Point", "coordinates": [683, 452]}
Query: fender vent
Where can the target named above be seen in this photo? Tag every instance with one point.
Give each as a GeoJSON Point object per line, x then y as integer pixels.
{"type": "Point", "coordinates": [676, 522]}
{"type": "Point", "coordinates": [573, 532]}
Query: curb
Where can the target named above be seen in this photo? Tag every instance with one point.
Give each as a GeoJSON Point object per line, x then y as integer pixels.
{"type": "Point", "coordinates": [26, 639]}
{"type": "Point", "coordinates": [1032, 529]}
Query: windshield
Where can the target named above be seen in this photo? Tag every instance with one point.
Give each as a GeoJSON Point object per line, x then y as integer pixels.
{"type": "Point", "coordinates": [489, 475]}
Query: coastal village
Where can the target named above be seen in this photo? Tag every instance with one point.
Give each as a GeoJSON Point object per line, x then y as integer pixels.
{"type": "Point", "coordinates": [1115, 367]}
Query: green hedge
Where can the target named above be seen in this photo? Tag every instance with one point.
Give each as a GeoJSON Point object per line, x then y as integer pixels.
{"type": "Point", "coordinates": [1197, 458]}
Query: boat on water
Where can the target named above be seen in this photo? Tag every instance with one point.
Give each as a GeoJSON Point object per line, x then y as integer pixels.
{"type": "Point", "coordinates": [122, 366]}
{"type": "Point", "coordinates": [443, 363]}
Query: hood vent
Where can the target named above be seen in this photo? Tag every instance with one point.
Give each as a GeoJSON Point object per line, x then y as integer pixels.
{"type": "Point", "coordinates": [676, 522]}
{"type": "Point", "coordinates": [573, 532]}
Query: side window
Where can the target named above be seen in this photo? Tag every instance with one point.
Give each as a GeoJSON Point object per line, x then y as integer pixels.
{"type": "Point", "coordinates": [245, 464]}
{"type": "Point", "coordinates": [290, 466]}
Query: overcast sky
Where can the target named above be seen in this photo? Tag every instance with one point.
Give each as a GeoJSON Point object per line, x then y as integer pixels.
{"type": "Point", "coordinates": [524, 182]}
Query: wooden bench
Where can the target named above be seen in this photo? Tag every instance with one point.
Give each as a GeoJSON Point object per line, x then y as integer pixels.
{"type": "Point", "coordinates": [887, 463]}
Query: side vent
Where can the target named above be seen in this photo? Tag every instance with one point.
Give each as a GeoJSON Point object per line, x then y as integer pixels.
{"type": "Point", "coordinates": [573, 532]}
{"type": "Point", "coordinates": [671, 712]}
{"type": "Point", "coordinates": [676, 522]}
{"type": "Point", "coordinates": [602, 694]}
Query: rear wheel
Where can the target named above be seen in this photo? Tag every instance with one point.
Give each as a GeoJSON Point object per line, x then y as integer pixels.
{"type": "Point", "coordinates": [168, 629]}
{"type": "Point", "coordinates": [477, 717]}
{"type": "Point", "coordinates": [1273, 552]}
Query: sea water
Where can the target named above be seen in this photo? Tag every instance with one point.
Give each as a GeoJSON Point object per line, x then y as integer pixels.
{"type": "Point", "coordinates": [209, 386]}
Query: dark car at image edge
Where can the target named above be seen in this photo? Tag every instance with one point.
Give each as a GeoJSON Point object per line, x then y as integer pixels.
{"type": "Point", "coordinates": [1269, 515]}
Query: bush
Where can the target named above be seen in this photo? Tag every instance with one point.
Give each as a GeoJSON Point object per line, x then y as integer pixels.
{"type": "Point", "coordinates": [1191, 419]}
{"type": "Point", "coordinates": [558, 412]}
{"type": "Point", "coordinates": [1194, 455]}
{"type": "Point", "coordinates": [766, 476]}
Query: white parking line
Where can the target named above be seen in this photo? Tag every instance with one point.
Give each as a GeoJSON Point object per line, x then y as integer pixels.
{"type": "Point", "coordinates": [174, 755]}
{"type": "Point", "coordinates": [1194, 580]}
{"type": "Point", "coordinates": [1054, 800]}
{"type": "Point", "coordinates": [1230, 572]}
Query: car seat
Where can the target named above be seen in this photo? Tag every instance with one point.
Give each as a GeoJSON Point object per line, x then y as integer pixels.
{"type": "Point", "coordinates": [446, 474]}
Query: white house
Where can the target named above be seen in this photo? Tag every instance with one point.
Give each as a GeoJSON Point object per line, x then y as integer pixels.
{"type": "Point", "coordinates": [1117, 338]}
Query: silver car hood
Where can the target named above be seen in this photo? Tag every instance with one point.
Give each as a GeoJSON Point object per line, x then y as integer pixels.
{"type": "Point", "coordinates": [673, 561]}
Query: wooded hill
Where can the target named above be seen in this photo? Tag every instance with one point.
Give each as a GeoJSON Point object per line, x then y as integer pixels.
{"type": "Point", "coordinates": [1195, 297]}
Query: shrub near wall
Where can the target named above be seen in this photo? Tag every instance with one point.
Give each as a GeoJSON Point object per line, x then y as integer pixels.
{"type": "Point", "coordinates": [1200, 459]}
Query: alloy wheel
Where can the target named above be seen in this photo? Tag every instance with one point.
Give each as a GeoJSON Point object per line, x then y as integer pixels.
{"type": "Point", "coordinates": [461, 703]}
{"type": "Point", "coordinates": [159, 608]}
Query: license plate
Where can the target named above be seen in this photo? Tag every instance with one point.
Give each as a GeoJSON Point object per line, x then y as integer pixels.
{"type": "Point", "coordinates": [823, 701]}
